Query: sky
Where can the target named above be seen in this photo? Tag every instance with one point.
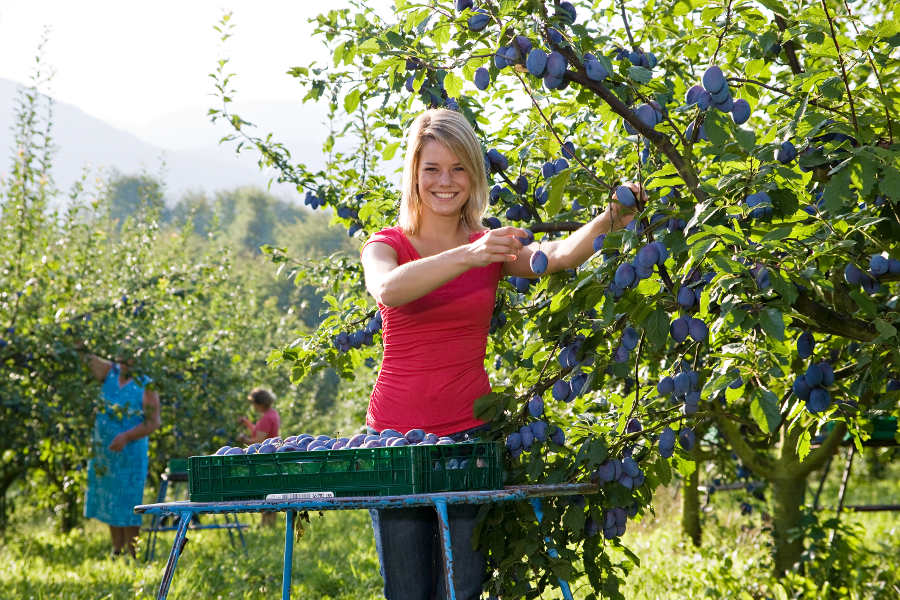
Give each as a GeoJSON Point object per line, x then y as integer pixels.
{"type": "Point", "coordinates": [128, 63]}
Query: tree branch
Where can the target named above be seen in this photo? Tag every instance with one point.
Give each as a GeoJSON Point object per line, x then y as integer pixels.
{"type": "Point", "coordinates": [685, 170]}
{"type": "Point", "coordinates": [887, 113]}
{"type": "Point", "coordinates": [817, 457]}
{"type": "Point", "coordinates": [790, 48]}
{"type": "Point", "coordinates": [786, 92]}
{"type": "Point", "coordinates": [843, 68]}
{"type": "Point", "coordinates": [759, 464]}
{"type": "Point", "coordinates": [828, 321]}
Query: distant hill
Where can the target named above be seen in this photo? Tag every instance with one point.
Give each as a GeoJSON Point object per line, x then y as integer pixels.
{"type": "Point", "coordinates": [186, 143]}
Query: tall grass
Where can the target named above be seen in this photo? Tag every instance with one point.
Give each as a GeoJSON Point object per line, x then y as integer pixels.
{"type": "Point", "coordinates": [335, 557]}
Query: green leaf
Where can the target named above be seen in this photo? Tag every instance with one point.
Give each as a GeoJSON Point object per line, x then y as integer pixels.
{"type": "Point", "coordinates": [772, 322]}
{"type": "Point", "coordinates": [640, 74]}
{"type": "Point", "coordinates": [369, 46]}
{"type": "Point", "coordinates": [764, 410]}
{"type": "Point", "coordinates": [715, 128]}
{"type": "Point", "coordinates": [488, 407]}
{"type": "Point", "coordinates": [657, 327]}
{"type": "Point", "coordinates": [803, 444]}
{"type": "Point", "coordinates": [557, 188]}
{"type": "Point", "coordinates": [885, 329]}
{"type": "Point", "coordinates": [453, 84]}
{"type": "Point", "coordinates": [351, 100]}
{"type": "Point", "coordinates": [746, 139]}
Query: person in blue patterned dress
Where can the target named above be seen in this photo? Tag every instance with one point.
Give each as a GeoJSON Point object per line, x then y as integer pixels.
{"type": "Point", "coordinates": [117, 470]}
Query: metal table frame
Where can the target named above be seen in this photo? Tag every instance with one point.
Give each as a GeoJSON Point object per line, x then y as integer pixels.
{"type": "Point", "coordinates": [186, 510]}
{"type": "Point", "coordinates": [156, 525]}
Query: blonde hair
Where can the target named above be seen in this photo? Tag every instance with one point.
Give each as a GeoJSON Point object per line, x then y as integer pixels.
{"type": "Point", "coordinates": [452, 130]}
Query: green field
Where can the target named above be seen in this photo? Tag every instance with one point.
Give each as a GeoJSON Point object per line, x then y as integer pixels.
{"type": "Point", "coordinates": [335, 558]}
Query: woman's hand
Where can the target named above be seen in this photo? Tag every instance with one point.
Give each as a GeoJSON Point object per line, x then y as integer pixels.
{"type": "Point", "coordinates": [620, 216]}
{"type": "Point", "coordinates": [497, 245]}
{"type": "Point", "coordinates": [119, 442]}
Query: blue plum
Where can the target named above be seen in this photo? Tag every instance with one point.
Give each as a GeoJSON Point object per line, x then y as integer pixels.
{"type": "Point", "coordinates": [714, 80]}
{"type": "Point", "coordinates": [539, 431]}
{"type": "Point", "coordinates": [740, 112]}
{"type": "Point", "coordinates": [556, 65]}
{"type": "Point", "coordinates": [536, 63]}
{"type": "Point", "coordinates": [786, 153]}
{"type": "Point", "coordinates": [665, 386]}
{"type": "Point", "coordinates": [536, 406]}
{"type": "Point", "coordinates": [805, 344]}
{"type": "Point", "coordinates": [539, 262]}
{"type": "Point", "coordinates": [819, 400]}
{"type": "Point", "coordinates": [482, 78]}
{"type": "Point", "coordinates": [479, 20]}
{"type": "Point", "coordinates": [679, 329]}
{"type": "Point", "coordinates": [686, 297]}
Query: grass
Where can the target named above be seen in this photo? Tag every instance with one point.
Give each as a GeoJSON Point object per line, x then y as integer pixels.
{"type": "Point", "coordinates": [335, 557]}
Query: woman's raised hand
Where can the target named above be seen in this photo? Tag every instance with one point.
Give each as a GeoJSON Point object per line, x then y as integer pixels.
{"type": "Point", "coordinates": [620, 216]}
{"type": "Point", "coordinates": [497, 245]}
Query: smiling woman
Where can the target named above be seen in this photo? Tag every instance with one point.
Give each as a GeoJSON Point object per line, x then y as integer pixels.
{"type": "Point", "coordinates": [435, 279]}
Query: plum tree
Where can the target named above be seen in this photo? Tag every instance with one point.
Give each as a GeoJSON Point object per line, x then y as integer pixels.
{"type": "Point", "coordinates": [721, 202]}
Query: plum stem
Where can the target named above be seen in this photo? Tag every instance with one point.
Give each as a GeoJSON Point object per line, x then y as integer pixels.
{"type": "Point", "coordinates": [625, 21]}
{"type": "Point", "coordinates": [723, 33]}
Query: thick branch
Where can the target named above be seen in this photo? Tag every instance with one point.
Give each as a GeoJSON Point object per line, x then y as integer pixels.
{"type": "Point", "coordinates": [558, 226]}
{"type": "Point", "coordinates": [761, 465]}
{"type": "Point", "coordinates": [829, 321]}
{"type": "Point", "coordinates": [685, 170]}
{"type": "Point", "coordinates": [790, 48]}
{"type": "Point", "coordinates": [817, 457]}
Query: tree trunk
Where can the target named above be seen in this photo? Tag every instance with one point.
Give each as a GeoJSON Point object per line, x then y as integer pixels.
{"type": "Point", "coordinates": [788, 494]}
{"type": "Point", "coordinates": [5, 482]}
{"type": "Point", "coordinates": [690, 507]}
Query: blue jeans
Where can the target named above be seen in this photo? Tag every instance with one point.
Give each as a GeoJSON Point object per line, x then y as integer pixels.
{"type": "Point", "coordinates": [411, 554]}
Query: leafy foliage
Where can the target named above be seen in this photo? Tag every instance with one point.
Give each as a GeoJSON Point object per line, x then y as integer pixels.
{"type": "Point", "coordinates": [762, 240]}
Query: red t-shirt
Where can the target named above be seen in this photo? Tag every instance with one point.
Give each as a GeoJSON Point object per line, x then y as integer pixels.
{"type": "Point", "coordinates": [434, 347]}
{"type": "Point", "coordinates": [268, 423]}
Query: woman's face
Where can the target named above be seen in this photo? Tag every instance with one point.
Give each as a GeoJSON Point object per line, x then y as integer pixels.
{"type": "Point", "coordinates": [443, 183]}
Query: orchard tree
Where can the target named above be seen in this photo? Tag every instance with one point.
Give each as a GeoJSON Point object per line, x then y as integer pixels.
{"type": "Point", "coordinates": [753, 300]}
{"type": "Point", "coordinates": [73, 276]}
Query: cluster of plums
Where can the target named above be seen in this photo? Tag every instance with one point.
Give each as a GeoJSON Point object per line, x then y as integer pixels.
{"type": "Point", "coordinates": [715, 93]}
{"type": "Point", "coordinates": [879, 265]}
{"type": "Point", "coordinates": [531, 434]}
{"type": "Point", "coordinates": [629, 274]}
{"type": "Point", "coordinates": [309, 443]}
{"type": "Point", "coordinates": [684, 386]}
{"type": "Point", "coordinates": [343, 341]}
{"type": "Point", "coordinates": [812, 386]}
{"type": "Point", "coordinates": [667, 438]}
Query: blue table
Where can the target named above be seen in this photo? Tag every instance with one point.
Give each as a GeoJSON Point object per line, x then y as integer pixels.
{"type": "Point", "coordinates": [185, 510]}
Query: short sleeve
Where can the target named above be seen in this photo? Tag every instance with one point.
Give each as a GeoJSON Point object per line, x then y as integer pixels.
{"type": "Point", "coordinates": [393, 237]}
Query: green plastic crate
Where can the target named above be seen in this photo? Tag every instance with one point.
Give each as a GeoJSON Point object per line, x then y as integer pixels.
{"type": "Point", "coordinates": [177, 465]}
{"type": "Point", "coordinates": [350, 472]}
{"type": "Point", "coordinates": [884, 430]}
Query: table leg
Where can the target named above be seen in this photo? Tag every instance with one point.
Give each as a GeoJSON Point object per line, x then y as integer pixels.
{"type": "Point", "coordinates": [539, 513]}
{"type": "Point", "coordinates": [156, 521]}
{"type": "Point", "coordinates": [177, 545]}
{"type": "Point", "coordinates": [288, 554]}
{"type": "Point", "coordinates": [440, 506]}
